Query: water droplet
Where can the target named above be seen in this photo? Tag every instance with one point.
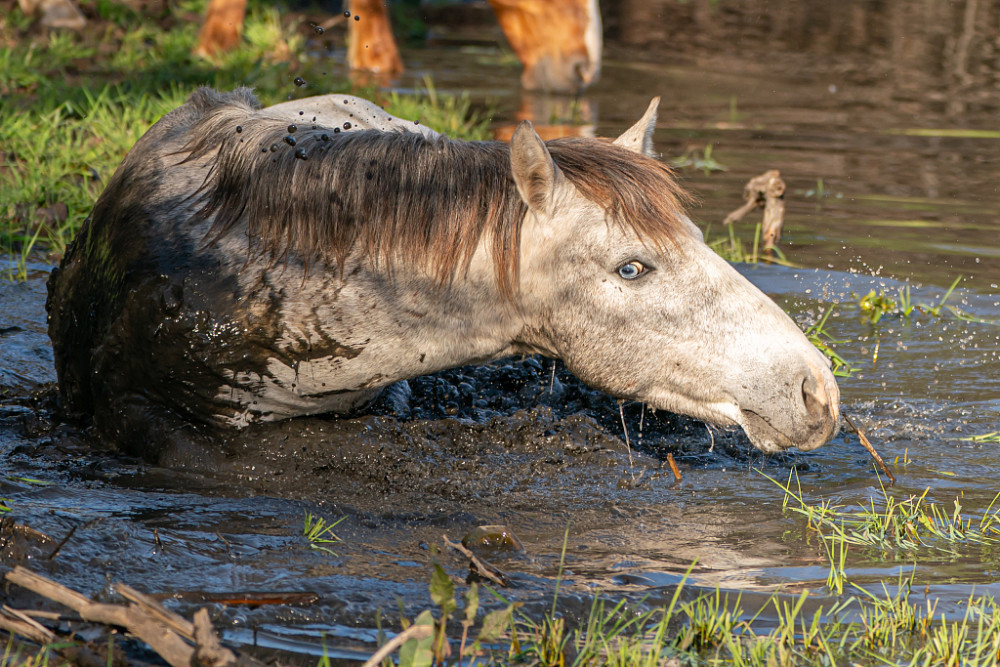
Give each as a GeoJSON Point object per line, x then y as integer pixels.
{"type": "Point", "coordinates": [291, 129]}
{"type": "Point", "coordinates": [319, 29]}
{"type": "Point", "coordinates": [300, 153]}
{"type": "Point", "coordinates": [336, 129]}
{"type": "Point", "coordinates": [347, 126]}
{"type": "Point", "coordinates": [274, 147]}
{"type": "Point", "coordinates": [264, 149]}
{"type": "Point", "coordinates": [357, 18]}
{"type": "Point", "coordinates": [302, 113]}
{"type": "Point", "coordinates": [314, 119]}
{"type": "Point", "coordinates": [347, 14]}
{"type": "Point", "coordinates": [324, 137]}
{"type": "Point", "coordinates": [239, 128]}
{"type": "Point", "coordinates": [290, 140]}
{"type": "Point", "coordinates": [299, 81]}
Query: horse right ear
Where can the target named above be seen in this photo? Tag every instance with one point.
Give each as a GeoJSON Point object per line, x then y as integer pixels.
{"type": "Point", "coordinates": [535, 174]}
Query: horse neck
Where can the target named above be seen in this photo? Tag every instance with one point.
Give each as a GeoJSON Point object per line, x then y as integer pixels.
{"type": "Point", "coordinates": [404, 324]}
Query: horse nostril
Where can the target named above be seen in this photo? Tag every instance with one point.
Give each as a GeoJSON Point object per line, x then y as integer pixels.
{"type": "Point", "coordinates": [815, 397]}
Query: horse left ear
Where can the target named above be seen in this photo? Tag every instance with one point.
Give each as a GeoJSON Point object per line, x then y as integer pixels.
{"type": "Point", "coordinates": [639, 137]}
{"type": "Point", "coordinates": [534, 171]}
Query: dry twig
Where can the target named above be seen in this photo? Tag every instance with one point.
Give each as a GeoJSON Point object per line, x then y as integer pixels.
{"type": "Point", "coordinates": [481, 567]}
{"type": "Point", "coordinates": [871, 450]}
{"type": "Point", "coordinates": [163, 630]}
{"type": "Point", "coordinates": [673, 466]}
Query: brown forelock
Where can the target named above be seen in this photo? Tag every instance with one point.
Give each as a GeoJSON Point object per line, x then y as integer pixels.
{"type": "Point", "coordinates": [637, 192]}
{"type": "Point", "coordinates": [403, 197]}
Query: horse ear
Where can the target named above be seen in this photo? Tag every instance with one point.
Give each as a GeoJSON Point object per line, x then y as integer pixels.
{"type": "Point", "coordinates": [639, 137]}
{"type": "Point", "coordinates": [534, 171]}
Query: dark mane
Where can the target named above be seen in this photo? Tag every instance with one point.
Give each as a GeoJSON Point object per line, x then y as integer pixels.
{"type": "Point", "coordinates": [401, 196]}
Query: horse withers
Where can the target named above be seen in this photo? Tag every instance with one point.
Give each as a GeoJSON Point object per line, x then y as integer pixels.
{"type": "Point", "coordinates": [249, 265]}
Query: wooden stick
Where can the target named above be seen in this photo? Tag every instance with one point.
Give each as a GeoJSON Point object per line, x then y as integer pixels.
{"type": "Point", "coordinates": [766, 191]}
{"type": "Point", "coordinates": [871, 450]}
{"type": "Point", "coordinates": [483, 568]}
{"type": "Point", "coordinates": [178, 624]}
{"type": "Point", "coordinates": [164, 631]}
{"type": "Point", "coordinates": [673, 466]}
{"type": "Point", "coordinates": [18, 623]}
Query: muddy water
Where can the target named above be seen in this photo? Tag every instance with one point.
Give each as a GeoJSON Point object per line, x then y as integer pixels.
{"type": "Point", "coordinates": [886, 189]}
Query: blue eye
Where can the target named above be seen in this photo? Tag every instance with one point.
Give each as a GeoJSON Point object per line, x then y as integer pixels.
{"type": "Point", "coordinates": [632, 270]}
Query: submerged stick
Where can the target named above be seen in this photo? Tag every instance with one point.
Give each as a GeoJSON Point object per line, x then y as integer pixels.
{"type": "Point", "coordinates": [871, 450]}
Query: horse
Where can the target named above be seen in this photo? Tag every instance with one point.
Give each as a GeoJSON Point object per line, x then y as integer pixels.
{"type": "Point", "coordinates": [247, 265]}
{"type": "Point", "coordinates": [558, 41]}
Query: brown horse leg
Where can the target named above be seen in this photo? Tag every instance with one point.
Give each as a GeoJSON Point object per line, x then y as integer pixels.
{"type": "Point", "coordinates": [222, 27]}
{"type": "Point", "coordinates": [559, 41]}
{"type": "Point", "coordinates": [371, 46]}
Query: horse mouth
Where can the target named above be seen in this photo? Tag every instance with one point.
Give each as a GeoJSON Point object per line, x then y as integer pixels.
{"type": "Point", "coordinates": [770, 440]}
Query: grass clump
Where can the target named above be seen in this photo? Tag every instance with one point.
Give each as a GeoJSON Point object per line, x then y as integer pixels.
{"type": "Point", "coordinates": [876, 305]}
{"type": "Point", "coordinates": [893, 524]}
{"type": "Point", "coordinates": [700, 160]}
{"type": "Point", "coordinates": [319, 532]}
{"type": "Point", "coordinates": [711, 628]}
{"type": "Point", "coordinates": [733, 250]}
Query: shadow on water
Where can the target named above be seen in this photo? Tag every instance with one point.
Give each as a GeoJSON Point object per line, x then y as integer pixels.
{"type": "Point", "coordinates": [891, 169]}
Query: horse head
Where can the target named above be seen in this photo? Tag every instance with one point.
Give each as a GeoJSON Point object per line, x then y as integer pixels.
{"type": "Point", "coordinates": [618, 283]}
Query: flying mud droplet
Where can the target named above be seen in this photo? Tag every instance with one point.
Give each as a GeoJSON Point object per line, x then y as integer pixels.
{"type": "Point", "coordinates": [290, 140]}
{"type": "Point", "coordinates": [274, 147]}
{"type": "Point", "coordinates": [357, 18]}
{"type": "Point", "coordinates": [299, 81]}
{"type": "Point", "coordinates": [319, 29]}
{"type": "Point", "coordinates": [292, 129]}
{"type": "Point", "coordinates": [347, 14]}
{"type": "Point", "coordinates": [336, 129]}
{"type": "Point", "coordinates": [239, 129]}
{"type": "Point", "coordinates": [300, 153]}
{"type": "Point", "coordinates": [347, 126]}
{"type": "Point", "coordinates": [324, 137]}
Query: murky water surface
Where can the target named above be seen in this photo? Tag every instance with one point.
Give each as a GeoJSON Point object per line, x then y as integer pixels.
{"type": "Point", "coordinates": [888, 189]}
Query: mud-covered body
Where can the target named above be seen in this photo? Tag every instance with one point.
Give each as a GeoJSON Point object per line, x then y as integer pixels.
{"type": "Point", "coordinates": [179, 310]}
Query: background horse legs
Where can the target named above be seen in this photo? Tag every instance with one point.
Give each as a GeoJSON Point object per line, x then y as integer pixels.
{"type": "Point", "coordinates": [558, 41]}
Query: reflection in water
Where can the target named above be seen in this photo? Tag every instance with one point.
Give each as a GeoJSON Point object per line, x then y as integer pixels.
{"type": "Point", "coordinates": [553, 116]}
{"type": "Point", "coordinates": [916, 50]}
